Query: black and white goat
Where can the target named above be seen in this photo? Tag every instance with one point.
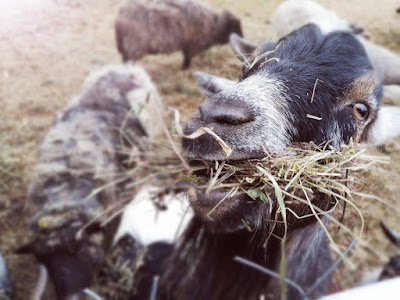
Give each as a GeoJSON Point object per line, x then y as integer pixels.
{"type": "Point", "coordinates": [329, 74]}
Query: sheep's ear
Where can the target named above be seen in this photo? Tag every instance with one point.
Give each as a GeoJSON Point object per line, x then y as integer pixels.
{"type": "Point", "coordinates": [385, 62]}
{"type": "Point", "coordinates": [242, 48]}
{"type": "Point", "coordinates": [210, 84]}
{"type": "Point", "coordinates": [392, 235]}
{"type": "Point", "coordinates": [386, 126]}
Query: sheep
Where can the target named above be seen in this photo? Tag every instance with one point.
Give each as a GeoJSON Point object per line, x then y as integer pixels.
{"type": "Point", "coordinates": [77, 185]}
{"type": "Point", "coordinates": [266, 110]}
{"type": "Point", "coordinates": [164, 26]}
{"type": "Point", "coordinates": [293, 14]}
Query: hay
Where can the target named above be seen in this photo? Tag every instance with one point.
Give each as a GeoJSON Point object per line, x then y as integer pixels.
{"type": "Point", "coordinates": [294, 176]}
{"type": "Point", "coordinates": [283, 181]}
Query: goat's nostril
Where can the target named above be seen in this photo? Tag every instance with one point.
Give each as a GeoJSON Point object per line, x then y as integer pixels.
{"type": "Point", "coordinates": [226, 114]}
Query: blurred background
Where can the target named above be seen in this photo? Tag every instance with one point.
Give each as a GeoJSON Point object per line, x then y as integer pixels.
{"type": "Point", "coordinates": [48, 47]}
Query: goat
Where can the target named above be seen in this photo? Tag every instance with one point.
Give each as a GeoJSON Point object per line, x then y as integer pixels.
{"type": "Point", "coordinates": [266, 110]}
{"type": "Point", "coordinates": [153, 26]}
{"type": "Point", "coordinates": [78, 158]}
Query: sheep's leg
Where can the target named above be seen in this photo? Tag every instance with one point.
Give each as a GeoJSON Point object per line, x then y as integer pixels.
{"type": "Point", "coordinates": [187, 59]}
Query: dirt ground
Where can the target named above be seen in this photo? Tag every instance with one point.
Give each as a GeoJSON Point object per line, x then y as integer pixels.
{"type": "Point", "coordinates": [48, 47]}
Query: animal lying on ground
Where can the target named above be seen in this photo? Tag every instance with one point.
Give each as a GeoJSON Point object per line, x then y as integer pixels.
{"type": "Point", "coordinates": [308, 72]}
{"type": "Point", "coordinates": [78, 158]}
{"type": "Point", "coordinates": [154, 27]}
{"type": "Point", "coordinates": [293, 14]}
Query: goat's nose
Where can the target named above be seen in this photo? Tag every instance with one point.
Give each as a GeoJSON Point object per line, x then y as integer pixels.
{"type": "Point", "coordinates": [232, 113]}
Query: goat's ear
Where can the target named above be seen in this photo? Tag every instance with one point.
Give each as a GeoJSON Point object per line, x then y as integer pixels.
{"type": "Point", "coordinates": [392, 235]}
{"type": "Point", "coordinates": [385, 62]}
{"type": "Point", "coordinates": [210, 84]}
{"type": "Point", "coordinates": [242, 48]}
{"type": "Point", "coordinates": [386, 126]}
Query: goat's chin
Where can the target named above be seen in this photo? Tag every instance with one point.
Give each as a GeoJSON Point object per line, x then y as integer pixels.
{"type": "Point", "coordinates": [221, 212]}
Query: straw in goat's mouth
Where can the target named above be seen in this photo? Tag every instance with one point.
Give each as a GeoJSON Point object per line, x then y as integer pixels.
{"type": "Point", "coordinates": [279, 180]}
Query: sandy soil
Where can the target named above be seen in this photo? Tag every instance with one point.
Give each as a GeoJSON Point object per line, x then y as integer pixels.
{"type": "Point", "coordinates": [49, 46]}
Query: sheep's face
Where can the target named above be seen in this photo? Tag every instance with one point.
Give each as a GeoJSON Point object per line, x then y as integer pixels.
{"type": "Point", "coordinates": [227, 23]}
{"type": "Point", "coordinates": [307, 87]}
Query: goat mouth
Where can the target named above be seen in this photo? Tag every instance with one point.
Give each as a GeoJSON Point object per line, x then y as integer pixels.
{"type": "Point", "coordinates": [206, 148]}
{"type": "Point", "coordinates": [211, 202]}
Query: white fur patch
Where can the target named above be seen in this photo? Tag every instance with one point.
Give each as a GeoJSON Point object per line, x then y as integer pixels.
{"type": "Point", "coordinates": [387, 125]}
{"type": "Point", "coordinates": [387, 289]}
{"type": "Point", "coordinates": [266, 95]}
{"type": "Point", "coordinates": [147, 224]}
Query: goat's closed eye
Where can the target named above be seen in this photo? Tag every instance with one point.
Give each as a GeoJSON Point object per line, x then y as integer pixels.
{"type": "Point", "coordinates": [360, 111]}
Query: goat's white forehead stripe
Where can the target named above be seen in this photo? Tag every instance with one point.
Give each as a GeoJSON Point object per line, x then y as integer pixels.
{"type": "Point", "coordinates": [147, 224]}
{"type": "Point", "coordinates": [267, 95]}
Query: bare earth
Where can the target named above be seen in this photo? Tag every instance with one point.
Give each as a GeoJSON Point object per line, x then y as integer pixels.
{"type": "Point", "coordinates": [49, 46]}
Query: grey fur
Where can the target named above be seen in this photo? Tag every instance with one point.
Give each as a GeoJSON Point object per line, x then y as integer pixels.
{"type": "Point", "coordinates": [264, 96]}
{"type": "Point", "coordinates": [78, 166]}
{"type": "Point", "coordinates": [153, 26]}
